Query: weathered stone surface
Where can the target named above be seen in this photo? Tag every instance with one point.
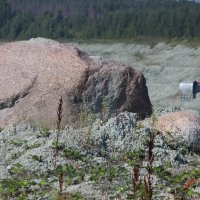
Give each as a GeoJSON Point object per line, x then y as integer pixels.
{"type": "Point", "coordinates": [181, 127]}
{"type": "Point", "coordinates": [36, 73]}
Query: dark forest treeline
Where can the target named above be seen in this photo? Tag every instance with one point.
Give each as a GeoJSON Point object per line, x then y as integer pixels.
{"type": "Point", "coordinates": [107, 19]}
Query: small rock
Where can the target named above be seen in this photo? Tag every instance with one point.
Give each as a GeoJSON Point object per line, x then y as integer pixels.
{"type": "Point", "coordinates": [182, 127]}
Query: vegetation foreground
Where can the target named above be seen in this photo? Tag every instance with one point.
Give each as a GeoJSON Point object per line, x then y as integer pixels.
{"type": "Point", "coordinates": [117, 158]}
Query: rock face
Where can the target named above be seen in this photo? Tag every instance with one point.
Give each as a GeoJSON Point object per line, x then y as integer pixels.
{"type": "Point", "coordinates": [183, 127]}
{"type": "Point", "coordinates": [36, 73]}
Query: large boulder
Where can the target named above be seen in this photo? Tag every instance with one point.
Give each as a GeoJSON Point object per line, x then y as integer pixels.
{"type": "Point", "coordinates": [36, 73]}
{"type": "Point", "coordinates": [181, 127]}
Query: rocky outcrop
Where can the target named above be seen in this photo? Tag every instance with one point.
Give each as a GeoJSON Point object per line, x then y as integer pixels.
{"type": "Point", "coordinates": [114, 138]}
{"type": "Point", "coordinates": [181, 127]}
{"type": "Point", "coordinates": [88, 154]}
{"type": "Point", "coordinates": [36, 73]}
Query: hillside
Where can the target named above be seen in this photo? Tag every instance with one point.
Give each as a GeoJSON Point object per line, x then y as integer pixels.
{"type": "Point", "coordinates": [107, 19]}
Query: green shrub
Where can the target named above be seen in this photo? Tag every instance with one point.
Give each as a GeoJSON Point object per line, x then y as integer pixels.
{"type": "Point", "coordinates": [44, 132]}
{"type": "Point", "coordinates": [72, 153]}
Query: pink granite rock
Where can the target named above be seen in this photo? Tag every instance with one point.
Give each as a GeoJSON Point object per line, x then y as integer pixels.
{"type": "Point", "coordinates": [183, 127]}
{"type": "Point", "coordinates": [36, 73]}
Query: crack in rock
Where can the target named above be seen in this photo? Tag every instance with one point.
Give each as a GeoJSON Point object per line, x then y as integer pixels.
{"type": "Point", "coordinates": [11, 101]}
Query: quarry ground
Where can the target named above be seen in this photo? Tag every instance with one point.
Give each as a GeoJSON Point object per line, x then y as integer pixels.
{"type": "Point", "coordinates": [164, 67]}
